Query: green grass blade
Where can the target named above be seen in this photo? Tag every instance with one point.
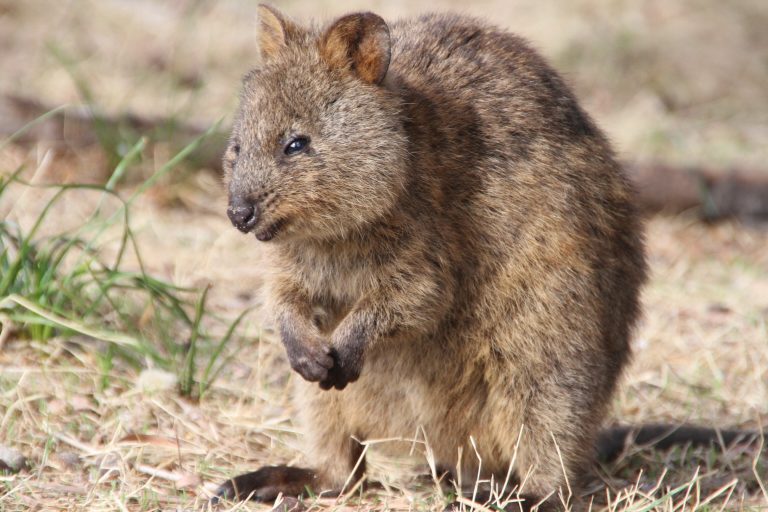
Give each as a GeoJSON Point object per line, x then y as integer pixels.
{"type": "Point", "coordinates": [207, 378]}
{"type": "Point", "coordinates": [173, 162]}
{"type": "Point", "coordinates": [24, 129]}
{"type": "Point", "coordinates": [111, 337]}
{"type": "Point", "coordinates": [189, 364]}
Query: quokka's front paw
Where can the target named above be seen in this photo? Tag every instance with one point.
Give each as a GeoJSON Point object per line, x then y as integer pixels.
{"type": "Point", "coordinates": [309, 356]}
{"type": "Point", "coordinates": [347, 364]}
{"type": "Point", "coordinates": [312, 362]}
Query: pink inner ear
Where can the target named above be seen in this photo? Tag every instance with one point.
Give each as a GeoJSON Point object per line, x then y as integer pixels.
{"type": "Point", "coordinates": [361, 43]}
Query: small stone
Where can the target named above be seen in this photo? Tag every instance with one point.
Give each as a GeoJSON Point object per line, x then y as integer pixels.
{"type": "Point", "coordinates": [11, 460]}
{"type": "Point", "coordinates": [154, 379]}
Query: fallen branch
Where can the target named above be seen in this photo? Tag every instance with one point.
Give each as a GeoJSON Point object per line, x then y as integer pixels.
{"type": "Point", "coordinates": [712, 194]}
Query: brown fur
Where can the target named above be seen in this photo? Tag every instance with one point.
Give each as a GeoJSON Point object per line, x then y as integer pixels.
{"type": "Point", "coordinates": [456, 250]}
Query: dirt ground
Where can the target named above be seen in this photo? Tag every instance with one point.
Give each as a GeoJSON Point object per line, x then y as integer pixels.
{"type": "Point", "coordinates": [680, 82]}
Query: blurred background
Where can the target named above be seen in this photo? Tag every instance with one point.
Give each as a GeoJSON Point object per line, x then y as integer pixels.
{"type": "Point", "coordinates": [127, 374]}
{"type": "Point", "coordinates": [682, 81]}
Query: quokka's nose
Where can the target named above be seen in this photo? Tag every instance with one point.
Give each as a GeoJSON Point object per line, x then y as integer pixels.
{"type": "Point", "coordinates": [243, 214]}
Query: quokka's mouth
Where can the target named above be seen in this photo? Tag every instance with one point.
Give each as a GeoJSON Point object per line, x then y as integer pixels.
{"type": "Point", "coordinates": [268, 233]}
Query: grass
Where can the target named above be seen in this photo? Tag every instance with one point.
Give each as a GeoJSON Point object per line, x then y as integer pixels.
{"type": "Point", "coordinates": [96, 339]}
{"type": "Point", "coordinates": [137, 370]}
{"type": "Point", "coordinates": [61, 285]}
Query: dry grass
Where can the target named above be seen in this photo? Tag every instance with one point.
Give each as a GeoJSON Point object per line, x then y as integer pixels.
{"type": "Point", "coordinates": [683, 81]}
{"type": "Point", "coordinates": [100, 441]}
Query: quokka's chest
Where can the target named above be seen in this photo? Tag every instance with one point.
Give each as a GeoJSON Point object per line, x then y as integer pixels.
{"type": "Point", "coordinates": [339, 278]}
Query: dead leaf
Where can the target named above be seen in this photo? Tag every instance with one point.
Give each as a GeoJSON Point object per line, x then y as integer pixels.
{"type": "Point", "coordinates": [151, 439]}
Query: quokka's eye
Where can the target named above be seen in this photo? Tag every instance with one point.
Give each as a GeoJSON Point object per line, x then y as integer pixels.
{"type": "Point", "coordinates": [236, 149]}
{"type": "Point", "coordinates": [296, 145]}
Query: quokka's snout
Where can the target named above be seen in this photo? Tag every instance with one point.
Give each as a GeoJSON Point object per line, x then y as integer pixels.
{"type": "Point", "coordinates": [243, 213]}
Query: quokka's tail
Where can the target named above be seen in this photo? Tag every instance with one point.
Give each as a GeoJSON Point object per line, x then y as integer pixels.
{"type": "Point", "coordinates": [613, 441]}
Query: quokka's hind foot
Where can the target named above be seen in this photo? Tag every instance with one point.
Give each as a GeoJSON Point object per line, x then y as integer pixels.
{"type": "Point", "coordinates": [267, 483]}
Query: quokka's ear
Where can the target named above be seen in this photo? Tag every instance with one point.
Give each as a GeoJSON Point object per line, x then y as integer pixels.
{"type": "Point", "coordinates": [358, 42]}
{"type": "Point", "coordinates": [275, 31]}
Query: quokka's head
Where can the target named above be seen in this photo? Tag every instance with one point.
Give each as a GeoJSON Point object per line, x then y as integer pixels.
{"type": "Point", "coordinates": [318, 146]}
